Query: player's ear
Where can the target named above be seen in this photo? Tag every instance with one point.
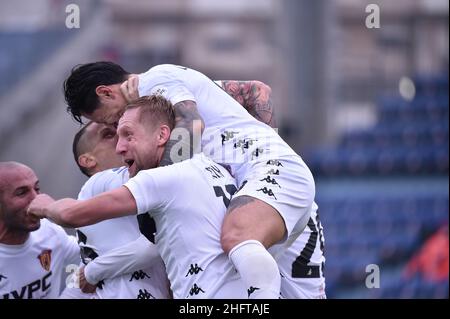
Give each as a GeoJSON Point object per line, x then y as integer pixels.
{"type": "Point", "coordinates": [103, 91]}
{"type": "Point", "coordinates": [164, 135]}
{"type": "Point", "coordinates": [86, 160]}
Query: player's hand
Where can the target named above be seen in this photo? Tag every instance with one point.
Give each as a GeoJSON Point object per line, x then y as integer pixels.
{"type": "Point", "coordinates": [129, 88]}
{"type": "Point", "coordinates": [85, 287]}
{"type": "Point", "coordinates": [38, 205]}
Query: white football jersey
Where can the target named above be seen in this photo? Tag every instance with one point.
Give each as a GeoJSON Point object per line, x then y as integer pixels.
{"type": "Point", "coordinates": [98, 239]}
{"type": "Point", "coordinates": [188, 202]}
{"type": "Point", "coordinates": [37, 268]}
{"type": "Point", "coordinates": [232, 136]}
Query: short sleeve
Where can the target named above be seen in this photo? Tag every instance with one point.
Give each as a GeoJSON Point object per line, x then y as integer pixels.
{"type": "Point", "coordinates": [153, 189]}
{"type": "Point", "coordinates": [102, 182]}
{"type": "Point", "coordinates": [166, 80]}
{"type": "Point", "coordinates": [72, 250]}
{"type": "Point", "coordinates": [69, 244]}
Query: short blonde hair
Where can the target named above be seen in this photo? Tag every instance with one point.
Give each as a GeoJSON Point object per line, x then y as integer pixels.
{"type": "Point", "coordinates": [153, 110]}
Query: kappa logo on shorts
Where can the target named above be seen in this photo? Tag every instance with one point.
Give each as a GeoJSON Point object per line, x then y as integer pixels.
{"type": "Point", "coordinates": [270, 180]}
{"type": "Point", "coordinates": [194, 270]}
{"type": "Point", "coordinates": [267, 191]}
{"type": "Point", "coordinates": [274, 162]}
{"type": "Point", "coordinates": [195, 290]}
{"type": "Point", "coordinates": [251, 290]}
{"type": "Point", "coordinates": [137, 275]}
{"type": "Point", "coordinates": [144, 294]}
{"type": "Point", "coordinates": [273, 172]}
{"type": "Point", "coordinates": [2, 277]}
{"type": "Point", "coordinates": [45, 258]}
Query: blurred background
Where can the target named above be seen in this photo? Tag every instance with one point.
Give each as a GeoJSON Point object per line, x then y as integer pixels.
{"type": "Point", "coordinates": [367, 109]}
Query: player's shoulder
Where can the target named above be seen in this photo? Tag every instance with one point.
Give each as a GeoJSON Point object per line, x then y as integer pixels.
{"type": "Point", "coordinates": [177, 172]}
{"type": "Point", "coordinates": [208, 167]}
{"type": "Point", "coordinates": [167, 66]}
{"type": "Point", "coordinates": [104, 181]}
{"type": "Point", "coordinates": [165, 69]}
{"type": "Point", "coordinates": [119, 174]}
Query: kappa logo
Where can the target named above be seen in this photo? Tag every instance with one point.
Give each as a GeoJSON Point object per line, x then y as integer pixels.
{"type": "Point", "coordinates": [244, 144]}
{"type": "Point", "coordinates": [270, 180]}
{"type": "Point", "coordinates": [2, 277]}
{"type": "Point", "coordinates": [251, 290]}
{"type": "Point", "coordinates": [273, 172]}
{"type": "Point", "coordinates": [227, 135]}
{"type": "Point", "coordinates": [274, 162]}
{"type": "Point", "coordinates": [195, 290]}
{"type": "Point", "coordinates": [144, 294]}
{"type": "Point", "coordinates": [45, 258]}
{"type": "Point", "coordinates": [137, 275]}
{"type": "Point", "coordinates": [194, 270]}
{"type": "Point", "coordinates": [267, 191]}
{"type": "Point", "coordinates": [160, 91]}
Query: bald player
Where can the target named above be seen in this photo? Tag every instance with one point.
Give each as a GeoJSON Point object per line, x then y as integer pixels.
{"type": "Point", "coordinates": [33, 253]}
{"type": "Point", "coordinates": [114, 256]}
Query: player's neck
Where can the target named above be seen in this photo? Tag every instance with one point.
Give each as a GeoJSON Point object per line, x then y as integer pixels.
{"type": "Point", "coordinates": [10, 237]}
{"type": "Point", "coordinates": [159, 156]}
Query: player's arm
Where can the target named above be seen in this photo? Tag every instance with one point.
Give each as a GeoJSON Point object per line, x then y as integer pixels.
{"type": "Point", "coordinates": [69, 212]}
{"type": "Point", "coordinates": [189, 126]}
{"type": "Point", "coordinates": [254, 96]}
{"type": "Point", "coordinates": [136, 255]}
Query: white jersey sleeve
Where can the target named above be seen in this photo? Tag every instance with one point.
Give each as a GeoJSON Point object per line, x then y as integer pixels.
{"type": "Point", "coordinates": [153, 189]}
{"type": "Point", "coordinates": [103, 182]}
{"type": "Point", "coordinates": [138, 254]}
{"type": "Point", "coordinates": [72, 250]}
{"type": "Point", "coordinates": [166, 80]}
{"type": "Point", "coordinates": [69, 244]}
{"type": "Point", "coordinates": [118, 257]}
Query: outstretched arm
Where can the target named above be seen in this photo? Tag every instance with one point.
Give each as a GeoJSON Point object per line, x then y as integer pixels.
{"type": "Point", "coordinates": [255, 97]}
{"type": "Point", "coordinates": [69, 212]}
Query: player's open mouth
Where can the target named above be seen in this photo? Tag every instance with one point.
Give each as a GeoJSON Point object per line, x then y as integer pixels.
{"type": "Point", "coordinates": [131, 166]}
{"type": "Point", "coordinates": [129, 162]}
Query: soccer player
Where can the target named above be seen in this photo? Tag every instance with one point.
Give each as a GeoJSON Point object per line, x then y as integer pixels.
{"type": "Point", "coordinates": [269, 210]}
{"type": "Point", "coordinates": [33, 254]}
{"type": "Point", "coordinates": [301, 265]}
{"type": "Point", "coordinates": [94, 152]}
{"type": "Point", "coordinates": [187, 201]}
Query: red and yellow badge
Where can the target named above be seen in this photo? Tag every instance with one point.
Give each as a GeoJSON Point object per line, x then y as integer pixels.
{"type": "Point", "coordinates": [45, 259]}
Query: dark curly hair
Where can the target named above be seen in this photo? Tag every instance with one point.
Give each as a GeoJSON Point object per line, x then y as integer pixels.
{"type": "Point", "coordinates": [79, 87]}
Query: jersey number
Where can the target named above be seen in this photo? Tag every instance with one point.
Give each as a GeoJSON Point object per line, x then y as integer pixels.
{"type": "Point", "coordinates": [300, 267]}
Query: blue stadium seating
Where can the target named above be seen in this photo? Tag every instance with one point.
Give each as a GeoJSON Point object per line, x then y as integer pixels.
{"type": "Point", "coordinates": [386, 227]}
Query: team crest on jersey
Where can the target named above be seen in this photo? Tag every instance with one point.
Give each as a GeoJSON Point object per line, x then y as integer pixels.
{"type": "Point", "coordinates": [45, 258]}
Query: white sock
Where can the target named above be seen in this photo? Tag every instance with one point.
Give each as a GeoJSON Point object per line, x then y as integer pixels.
{"type": "Point", "coordinates": [257, 268]}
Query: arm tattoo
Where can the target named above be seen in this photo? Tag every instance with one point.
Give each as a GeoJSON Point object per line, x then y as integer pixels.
{"type": "Point", "coordinates": [255, 97]}
{"type": "Point", "coordinates": [185, 140]}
